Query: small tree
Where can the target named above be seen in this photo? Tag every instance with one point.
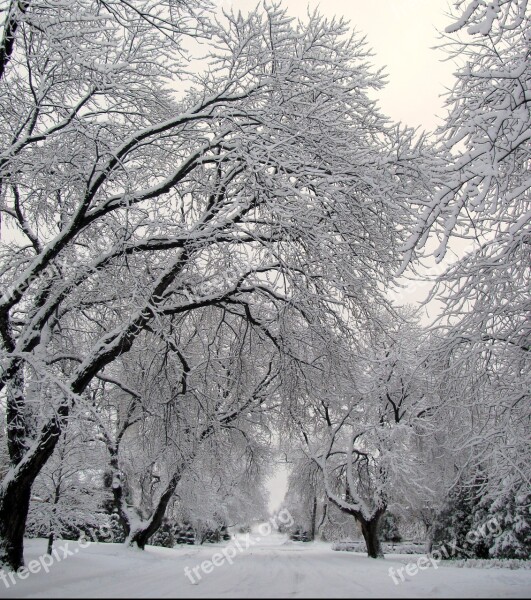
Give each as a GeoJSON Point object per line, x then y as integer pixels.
{"type": "Point", "coordinates": [512, 536]}
{"type": "Point", "coordinates": [389, 528]}
{"type": "Point", "coordinates": [456, 521]}
{"type": "Point", "coordinates": [68, 496]}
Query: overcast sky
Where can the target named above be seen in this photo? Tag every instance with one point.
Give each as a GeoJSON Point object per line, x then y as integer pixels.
{"type": "Point", "coordinates": [402, 34]}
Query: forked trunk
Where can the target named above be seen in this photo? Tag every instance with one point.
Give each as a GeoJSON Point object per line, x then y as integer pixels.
{"type": "Point", "coordinates": [140, 536]}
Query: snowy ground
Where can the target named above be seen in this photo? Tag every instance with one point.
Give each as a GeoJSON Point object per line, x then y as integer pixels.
{"type": "Point", "coordinates": [269, 567]}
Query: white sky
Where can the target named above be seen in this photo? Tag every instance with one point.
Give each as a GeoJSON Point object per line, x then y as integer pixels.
{"type": "Point", "coordinates": [402, 34]}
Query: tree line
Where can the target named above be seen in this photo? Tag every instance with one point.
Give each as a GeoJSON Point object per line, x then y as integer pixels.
{"type": "Point", "coordinates": [195, 257]}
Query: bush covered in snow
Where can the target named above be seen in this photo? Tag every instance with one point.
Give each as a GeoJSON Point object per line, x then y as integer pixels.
{"type": "Point", "coordinates": [461, 524]}
{"type": "Point", "coordinates": [490, 563]}
{"type": "Point", "coordinates": [512, 511]}
{"type": "Point", "coordinates": [400, 548]}
{"type": "Point", "coordinates": [389, 528]}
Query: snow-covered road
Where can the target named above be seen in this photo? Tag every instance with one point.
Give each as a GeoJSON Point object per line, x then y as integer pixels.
{"type": "Point", "coordinates": [269, 567]}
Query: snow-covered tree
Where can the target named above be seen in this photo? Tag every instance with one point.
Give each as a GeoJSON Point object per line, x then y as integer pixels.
{"type": "Point", "coordinates": [306, 497]}
{"type": "Point", "coordinates": [224, 487]}
{"type": "Point", "coordinates": [482, 189]}
{"type": "Point", "coordinates": [364, 426]}
{"type": "Point", "coordinates": [482, 195]}
{"type": "Point", "coordinates": [68, 495]}
{"type": "Point", "coordinates": [192, 395]}
{"type": "Point", "coordinates": [456, 520]}
{"type": "Point", "coordinates": [270, 180]}
{"type": "Point", "coordinates": [511, 511]}
{"type": "Point", "coordinates": [473, 524]}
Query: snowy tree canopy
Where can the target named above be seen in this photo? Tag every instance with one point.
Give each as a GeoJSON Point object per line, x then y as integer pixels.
{"type": "Point", "coordinates": [202, 212]}
{"type": "Point", "coordinates": [129, 206]}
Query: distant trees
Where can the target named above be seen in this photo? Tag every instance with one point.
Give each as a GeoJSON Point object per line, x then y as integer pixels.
{"type": "Point", "coordinates": [185, 267]}
{"type": "Point", "coordinates": [305, 497]}
{"type": "Point", "coordinates": [269, 185]}
{"type": "Point", "coordinates": [193, 393]}
{"type": "Point", "coordinates": [69, 494]}
{"type": "Point", "coordinates": [366, 421]}
{"type": "Point", "coordinates": [482, 195]}
{"type": "Point", "coordinates": [224, 488]}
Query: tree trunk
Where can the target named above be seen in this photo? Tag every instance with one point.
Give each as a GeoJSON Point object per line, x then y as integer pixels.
{"type": "Point", "coordinates": [369, 529]}
{"type": "Point", "coordinates": [118, 492]}
{"type": "Point", "coordinates": [14, 505]}
{"type": "Point", "coordinates": [323, 517]}
{"type": "Point", "coordinates": [50, 543]}
{"type": "Point", "coordinates": [140, 536]}
{"type": "Point", "coordinates": [314, 519]}
{"type": "Point", "coordinates": [15, 493]}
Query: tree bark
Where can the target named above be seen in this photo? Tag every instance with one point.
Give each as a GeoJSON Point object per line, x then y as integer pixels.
{"type": "Point", "coordinates": [50, 543]}
{"type": "Point", "coordinates": [314, 518]}
{"type": "Point", "coordinates": [369, 529]}
{"type": "Point", "coordinates": [7, 43]}
{"type": "Point", "coordinates": [15, 493]}
{"type": "Point", "coordinates": [14, 506]}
